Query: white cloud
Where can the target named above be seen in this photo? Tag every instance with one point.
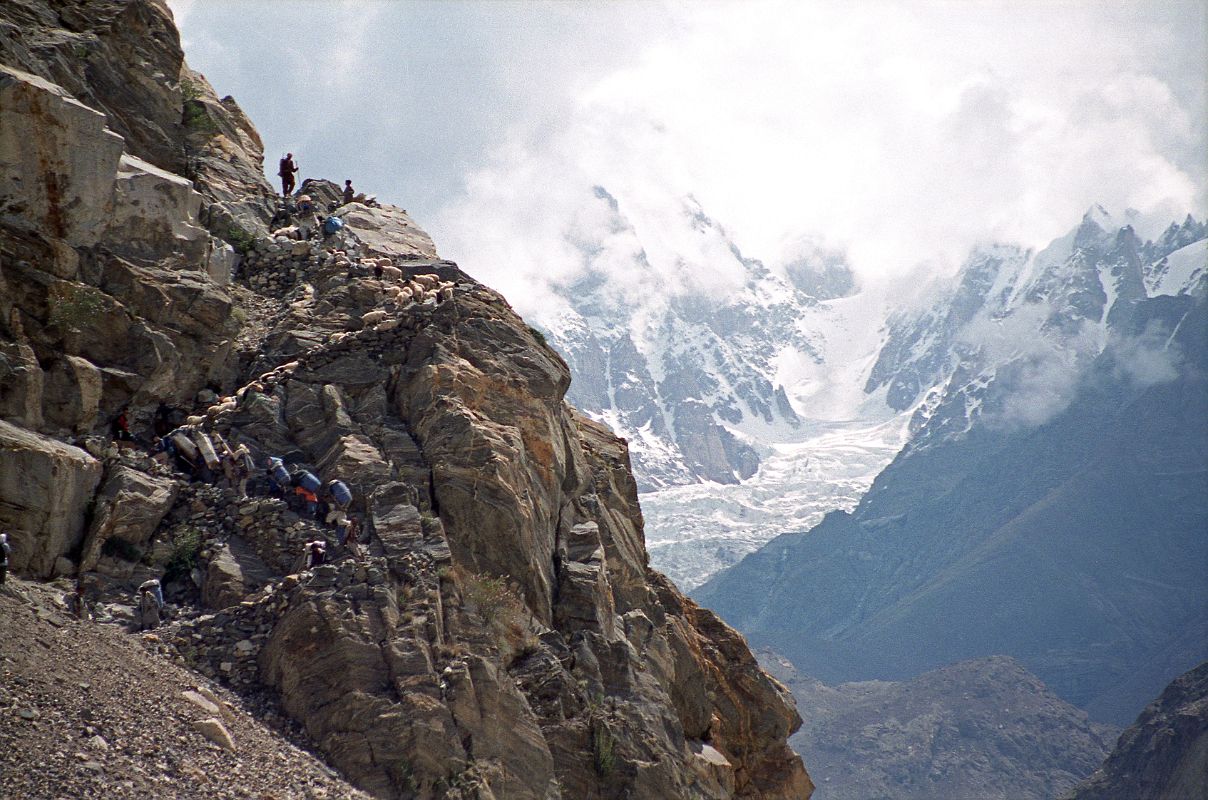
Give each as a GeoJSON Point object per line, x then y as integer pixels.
{"type": "Point", "coordinates": [902, 132]}
{"type": "Point", "coordinates": [1148, 359]}
{"type": "Point", "coordinates": [1039, 370]}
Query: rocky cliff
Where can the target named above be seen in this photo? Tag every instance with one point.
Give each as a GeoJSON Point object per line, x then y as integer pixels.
{"type": "Point", "coordinates": [1164, 754]}
{"type": "Point", "coordinates": [502, 635]}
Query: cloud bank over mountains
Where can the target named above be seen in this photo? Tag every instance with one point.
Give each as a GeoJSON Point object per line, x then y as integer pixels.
{"type": "Point", "coordinates": [902, 133]}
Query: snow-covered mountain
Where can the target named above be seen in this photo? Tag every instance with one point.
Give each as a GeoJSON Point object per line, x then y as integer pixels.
{"type": "Point", "coordinates": [738, 383]}
{"type": "Point", "coordinates": [1049, 503]}
{"type": "Point", "coordinates": [681, 350]}
{"type": "Point", "coordinates": [757, 396]}
{"type": "Point", "coordinates": [1010, 338]}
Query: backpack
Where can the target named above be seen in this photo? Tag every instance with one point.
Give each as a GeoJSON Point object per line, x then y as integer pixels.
{"type": "Point", "coordinates": [332, 225]}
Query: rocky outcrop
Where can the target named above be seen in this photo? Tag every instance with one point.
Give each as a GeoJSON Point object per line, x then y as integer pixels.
{"type": "Point", "coordinates": [45, 489]}
{"type": "Point", "coordinates": [124, 60]}
{"type": "Point", "coordinates": [1164, 755]}
{"type": "Point", "coordinates": [507, 579]}
{"type": "Point", "coordinates": [386, 231]}
{"type": "Point", "coordinates": [128, 507]}
{"type": "Point", "coordinates": [105, 290]}
{"type": "Point", "coordinates": [58, 159]}
{"type": "Point", "coordinates": [502, 634]}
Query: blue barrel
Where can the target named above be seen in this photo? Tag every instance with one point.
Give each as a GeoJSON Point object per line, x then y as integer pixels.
{"type": "Point", "coordinates": [309, 481]}
{"type": "Point", "coordinates": [280, 474]}
{"type": "Point", "coordinates": [341, 492]}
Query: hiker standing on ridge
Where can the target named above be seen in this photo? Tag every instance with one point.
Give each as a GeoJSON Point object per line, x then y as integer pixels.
{"type": "Point", "coordinates": [286, 170]}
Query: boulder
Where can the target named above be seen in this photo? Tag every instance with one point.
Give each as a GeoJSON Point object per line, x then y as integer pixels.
{"type": "Point", "coordinates": [72, 393]}
{"type": "Point", "coordinates": [45, 488]}
{"type": "Point", "coordinates": [21, 384]}
{"type": "Point", "coordinates": [221, 261]}
{"type": "Point", "coordinates": [213, 729]}
{"type": "Point", "coordinates": [223, 585]}
{"type": "Point", "coordinates": [233, 573]}
{"type": "Point", "coordinates": [57, 159]}
{"type": "Point", "coordinates": [387, 231]}
{"type": "Point", "coordinates": [128, 507]}
{"type": "Point", "coordinates": [201, 701]}
{"type": "Point", "coordinates": [155, 212]}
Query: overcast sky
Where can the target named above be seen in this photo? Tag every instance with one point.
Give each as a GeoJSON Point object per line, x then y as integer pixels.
{"type": "Point", "coordinates": [902, 132]}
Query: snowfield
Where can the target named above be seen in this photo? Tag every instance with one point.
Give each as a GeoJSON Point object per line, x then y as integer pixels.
{"type": "Point", "coordinates": [695, 530]}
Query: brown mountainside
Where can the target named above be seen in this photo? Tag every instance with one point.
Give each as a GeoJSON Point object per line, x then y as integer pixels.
{"type": "Point", "coordinates": [502, 634]}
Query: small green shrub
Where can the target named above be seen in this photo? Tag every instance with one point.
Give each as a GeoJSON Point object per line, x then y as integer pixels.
{"type": "Point", "coordinates": [490, 595]}
{"type": "Point", "coordinates": [196, 118]}
{"type": "Point", "coordinates": [73, 304]}
{"type": "Point", "coordinates": [538, 335]}
{"type": "Point", "coordinates": [190, 89]}
{"type": "Point", "coordinates": [193, 114]}
{"type": "Point", "coordinates": [241, 240]}
{"type": "Point", "coordinates": [504, 611]}
{"type": "Point", "coordinates": [603, 747]}
{"type": "Point", "coordinates": [185, 548]}
{"type": "Point", "coordinates": [406, 777]}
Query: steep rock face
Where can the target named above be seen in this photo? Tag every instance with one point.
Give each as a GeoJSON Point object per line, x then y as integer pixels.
{"type": "Point", "coordinates": [610, 681]}
{"type": "Point", "coordinates": [502, 635]}
{"type": "Point", "coordinates": [59, 158]}
{"type": "Point", "coordinates": [1164, 755]}
{"type": "Point", "coordinates": [120, 58]}
{"type": "Point", "coordinates": [105, 292]}
{"type": "Point", "coordinates": [45, 489]}
{"type": "Point", "coordinates": [124, 59]}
